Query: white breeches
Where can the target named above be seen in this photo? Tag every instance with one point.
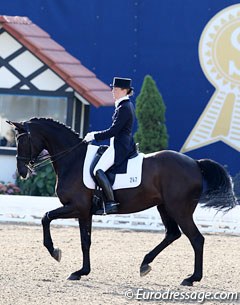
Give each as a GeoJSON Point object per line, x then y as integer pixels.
{"type": "Point", "coordinates": [106, 161]}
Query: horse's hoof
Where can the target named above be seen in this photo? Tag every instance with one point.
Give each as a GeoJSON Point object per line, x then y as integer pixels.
{"type": "Point", "coordinates": [57, 254]}
{"type": "Point", "coordinates": [145, 269]}
{"type": "Point", "coordinates": [74, 277]}
{"type": "Point", "coordinates": [186, 283]}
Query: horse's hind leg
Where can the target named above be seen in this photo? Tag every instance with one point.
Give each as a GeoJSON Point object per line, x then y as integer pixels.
{"type": "Point", "coordinates": [197, 241]}
{"type": "Point", "coordinates": [172, 233]}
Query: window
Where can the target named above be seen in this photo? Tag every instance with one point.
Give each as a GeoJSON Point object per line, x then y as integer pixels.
{"type": "Point", "coordinates": [22, 108]}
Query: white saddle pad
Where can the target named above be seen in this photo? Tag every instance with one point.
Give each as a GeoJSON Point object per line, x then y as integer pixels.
{"type": "Point", "coordinates": [131, 179]}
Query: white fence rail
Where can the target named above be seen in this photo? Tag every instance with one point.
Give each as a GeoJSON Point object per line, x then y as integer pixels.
{"type": "Point", "coordinates": [30, 209]}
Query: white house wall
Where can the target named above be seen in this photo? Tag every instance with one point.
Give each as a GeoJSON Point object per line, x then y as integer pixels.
{"type": "Point", "coordinates": [47, 80]}
{"type": "Point", "coordinates": [7, 78]}
{"type": "Point", "coordinates": [8, 166]}
{"type": "Point", "coordinates": [8, 45]}
{"type": "Point", "coordinates": [33, 63]}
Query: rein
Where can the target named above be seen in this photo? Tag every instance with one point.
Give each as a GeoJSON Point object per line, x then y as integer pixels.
{"type": "Point", "coordinates": [43, 161]}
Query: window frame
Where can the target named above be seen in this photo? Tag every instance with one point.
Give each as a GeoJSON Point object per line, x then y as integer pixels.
{"type": "Point", "coordinates": [69, 115]}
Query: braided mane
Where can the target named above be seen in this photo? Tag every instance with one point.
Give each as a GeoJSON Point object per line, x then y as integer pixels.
{"type": "Point", "coordinates": [61, 125]}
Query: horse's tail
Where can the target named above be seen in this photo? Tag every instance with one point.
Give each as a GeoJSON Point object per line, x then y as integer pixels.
{"type": "Point", "coordinates": [217, 186]}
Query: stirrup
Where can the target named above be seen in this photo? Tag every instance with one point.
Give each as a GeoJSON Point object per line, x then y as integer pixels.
{"type": "Point", "coordinates": [108, 208]}
{"type": "Point", "coordinates": [111, 207]}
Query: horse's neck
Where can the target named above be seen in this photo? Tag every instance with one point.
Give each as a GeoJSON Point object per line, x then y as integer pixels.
{"type": "Point", "coordinates": [55, 137]}
{"type": "Point", "coordinates": [63, 148]}
{"type": "Point", "coordinates": [57, 142]}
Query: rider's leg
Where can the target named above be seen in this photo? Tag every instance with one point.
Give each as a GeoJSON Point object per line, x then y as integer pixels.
{"type": "Point", "coordinates": [106, 161]}
{"type": "Point", "coordinates": [103, 165]}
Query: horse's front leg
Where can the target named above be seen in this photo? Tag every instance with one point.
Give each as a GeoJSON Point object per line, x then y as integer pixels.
{"type": "Point", "coordinates": [62, 212]}
{"type": "Point", "coordinates": [85, 234]}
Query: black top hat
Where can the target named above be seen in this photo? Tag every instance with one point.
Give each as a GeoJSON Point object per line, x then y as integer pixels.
{"type": "Point", "coordinates": [124, 83]}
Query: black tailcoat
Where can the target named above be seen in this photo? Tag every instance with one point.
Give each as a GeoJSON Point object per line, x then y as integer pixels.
{"type": "Point", "coordinates": [121, 129]}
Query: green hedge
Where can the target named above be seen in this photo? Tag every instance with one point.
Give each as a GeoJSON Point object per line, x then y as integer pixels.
{"type": "Point", "coordinates": [40, 183]}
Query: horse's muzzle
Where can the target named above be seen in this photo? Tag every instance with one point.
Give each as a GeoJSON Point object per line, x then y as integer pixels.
{"type": "Point", "coordinates": [23, 170]}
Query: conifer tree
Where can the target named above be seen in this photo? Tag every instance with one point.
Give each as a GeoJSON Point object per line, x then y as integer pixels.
{"type": "Point", "coordinates": [150, 112]}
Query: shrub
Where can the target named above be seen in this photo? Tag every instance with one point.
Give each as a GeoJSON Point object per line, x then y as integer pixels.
{"type": "Point", "coordinates": [9, 188]}
{"type": "Point", "coordinates": [40, 183]}
{"type": "Point", "coordinates": [150, 111]}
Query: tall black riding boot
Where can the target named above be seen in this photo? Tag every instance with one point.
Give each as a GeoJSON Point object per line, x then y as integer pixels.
{"type": "Point", "coordinates": [111, 207]}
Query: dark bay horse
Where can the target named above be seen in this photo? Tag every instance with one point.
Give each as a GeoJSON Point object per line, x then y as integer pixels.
{"type": "Point", "coordinates": [170, 180]}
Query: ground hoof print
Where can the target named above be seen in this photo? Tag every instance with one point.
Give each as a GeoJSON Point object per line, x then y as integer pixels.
{"type": "Point", "coordinates": [186, 283]}
{"type": "Point", "coordinates": [74, 277]}
{"type": "Point", "coordinates": [145, 269]}
{"type": "Point", "coordinates": [57, 254]}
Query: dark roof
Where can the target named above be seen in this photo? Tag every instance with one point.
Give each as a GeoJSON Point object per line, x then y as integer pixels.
{"type": "Point", "coordinates": [70, 69]}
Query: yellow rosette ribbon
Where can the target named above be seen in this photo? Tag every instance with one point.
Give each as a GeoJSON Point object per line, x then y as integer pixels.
{"type": "Point", "coordinates": [219, 54]}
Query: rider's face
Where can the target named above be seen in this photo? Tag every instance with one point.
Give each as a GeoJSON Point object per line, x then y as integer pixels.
{"type": "Point", "coordinates": [118, 93]}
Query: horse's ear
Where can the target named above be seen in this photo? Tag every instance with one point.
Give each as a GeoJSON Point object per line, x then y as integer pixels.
{"type": "Point", "coordinates": [17, 126]}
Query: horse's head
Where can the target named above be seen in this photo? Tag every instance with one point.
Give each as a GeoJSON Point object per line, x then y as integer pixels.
{"type": "Point", "coordinates": [28, 147]}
